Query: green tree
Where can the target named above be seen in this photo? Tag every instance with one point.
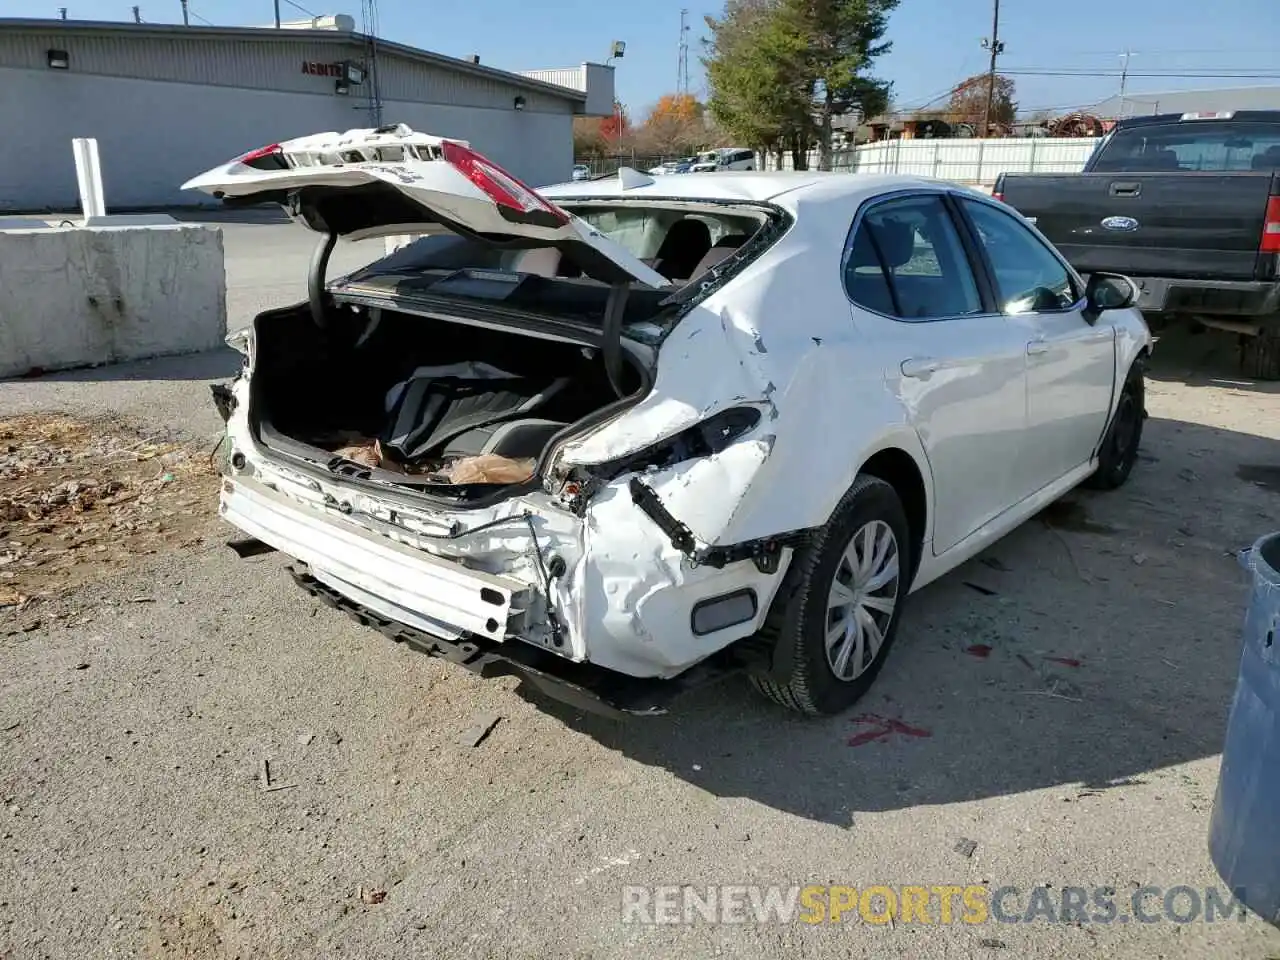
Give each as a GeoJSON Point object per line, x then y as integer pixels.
{"type": "Point", "coordinates": [844, 38]}
{"type": "Point", "coordinates": [780, 71]}
{"type": "Point", "coordinates": [752, 63]}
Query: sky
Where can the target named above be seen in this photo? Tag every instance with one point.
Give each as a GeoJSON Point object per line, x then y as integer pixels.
{"type": "Point", "coordinates": [1173, 44]}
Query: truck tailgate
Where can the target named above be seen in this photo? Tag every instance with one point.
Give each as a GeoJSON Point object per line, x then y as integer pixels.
{"type": "Point", "coordinates": [1203, 225]}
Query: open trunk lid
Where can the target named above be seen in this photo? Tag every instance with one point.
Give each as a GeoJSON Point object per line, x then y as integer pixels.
{"type": "Point", "coordinates": [392, 180]}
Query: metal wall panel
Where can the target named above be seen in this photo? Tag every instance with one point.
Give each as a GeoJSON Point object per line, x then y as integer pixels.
{"type": "Point", "coordinates": [152, 135]}
{"type": "Point", "coordinates": [262, 62]}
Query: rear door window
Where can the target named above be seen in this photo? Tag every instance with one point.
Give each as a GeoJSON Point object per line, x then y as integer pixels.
{"type": "Point", "coordinates": [905, 259]}
{"type": "Point", "coordinates": [1195, 145]}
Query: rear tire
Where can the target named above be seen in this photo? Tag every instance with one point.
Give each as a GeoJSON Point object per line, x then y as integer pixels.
{"type": "Point", "coordinates": [1260, 355]}
{"type": "Point", "coordinates": [1119, 449]}
{"type": "Point", "coordinates": [836, 614]}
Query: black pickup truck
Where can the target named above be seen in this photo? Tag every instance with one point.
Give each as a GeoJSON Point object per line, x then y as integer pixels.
{"type": "Point", "coordinates": [1188, 206]}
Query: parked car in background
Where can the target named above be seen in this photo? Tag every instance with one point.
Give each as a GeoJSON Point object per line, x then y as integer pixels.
{"type": "Point", "coordinates": [1189, 206]}
{"type": "Point", "coordinates": [581, 172]}
{"type": "Point", "coordinates": [673, 166]}
{"type": "Point", "coordinates": [725, 158]}
{"type": "Point", "coordinates": [583, 435]}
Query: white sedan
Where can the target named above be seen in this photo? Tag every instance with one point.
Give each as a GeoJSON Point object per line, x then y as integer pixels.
{"type": "Point", "coordinates": [620, 436]}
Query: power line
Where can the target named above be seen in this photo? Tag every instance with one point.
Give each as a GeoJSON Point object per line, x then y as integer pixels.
{"type": "Point", "coordinates": [1167, 76]}
{"type": "Point", "coordinates": [298, 6]}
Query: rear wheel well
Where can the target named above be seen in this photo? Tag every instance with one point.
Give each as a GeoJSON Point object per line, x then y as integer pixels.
{"type": "Point", "coordinates": [897, 468]}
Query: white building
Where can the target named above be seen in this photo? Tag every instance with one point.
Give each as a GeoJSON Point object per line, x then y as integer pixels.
{"type": "Point", "coordinates": [167, 102]}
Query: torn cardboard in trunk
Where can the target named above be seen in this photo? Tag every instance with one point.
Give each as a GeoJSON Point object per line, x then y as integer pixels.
{"type": "Point", "coordinates": [485, 468]}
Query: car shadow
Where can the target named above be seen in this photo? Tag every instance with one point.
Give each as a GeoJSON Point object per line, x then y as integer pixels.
{"type": "Point", "coordinates": [1092, 648]}
{"type": "Point", "coordinates": [1204, 358]}
{"type": "Point", "coordinates": [215, 364]}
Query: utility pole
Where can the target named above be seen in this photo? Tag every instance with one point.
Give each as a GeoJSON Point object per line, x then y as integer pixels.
{"type": "Point", "coordinates": [277, 14]}
{"type": "Point", "coordinates": [996, 47]}
{"type": "Point", "coordinates": [186, 17]}
{"type": "Point", "coordinates": [1124, 70]}
{"type": "Point", "coordinates": [137, 14]}
{"type": "Point", "coordinates": [62, 13]}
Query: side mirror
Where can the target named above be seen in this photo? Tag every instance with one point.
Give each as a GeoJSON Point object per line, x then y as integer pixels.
{"type": "Point", "coordinates": [1110, 291]}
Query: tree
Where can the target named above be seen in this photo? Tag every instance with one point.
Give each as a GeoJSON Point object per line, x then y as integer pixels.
{"type": "Point", "coordinates": [969, 102]}
{"type": "Point", "coordinates": [753, 65]}
{"type": "Point", "coordinates": [781, 70]}
{"type": "Point", "coordinates": [600, 136]}
{"type": "Point", "coordinates": [587, 141]}
{"type": "Point", "coordinates": [844, 37]}
{"type": "Point", "coordinates": [674, 125]}
{"type": "Point", "coordinates": [614, 128]}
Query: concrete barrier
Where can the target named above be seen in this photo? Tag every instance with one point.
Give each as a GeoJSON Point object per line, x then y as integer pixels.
{"type": "Point", "coordinates": [75, 297]}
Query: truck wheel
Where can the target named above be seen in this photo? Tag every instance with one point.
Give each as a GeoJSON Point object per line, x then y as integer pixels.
{"type": "Point", "coordinates": [836, 614]}
{"type": "Point", "coordinates": [1260, 355]}
{"type": "Point", "coordinates": [1120, 445]}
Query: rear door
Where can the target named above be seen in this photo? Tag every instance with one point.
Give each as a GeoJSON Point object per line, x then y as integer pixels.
{"type": "Point", "coordinates": [956, 367]}
{"type": "Point", "coordinates": [1070, 361]}
{"type": "Point", "coordinates": [393, 180]}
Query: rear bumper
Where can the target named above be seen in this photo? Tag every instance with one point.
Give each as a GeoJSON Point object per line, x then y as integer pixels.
{"type": "Point", "coordinates": [580, 685]}
{"type": "Point", "coordinates": [431, 594]}
{"type": "Point", "coordinates": [1244, 298]}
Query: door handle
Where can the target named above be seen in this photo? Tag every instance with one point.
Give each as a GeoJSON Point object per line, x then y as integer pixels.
{"type": "Point", "coordinates": [920, 368]}
{"type": "Point", "coordinates": [1037, 347]}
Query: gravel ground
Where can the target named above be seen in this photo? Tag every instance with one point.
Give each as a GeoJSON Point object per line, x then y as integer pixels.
{"type": "Point", "coordinates": [1060, 705]}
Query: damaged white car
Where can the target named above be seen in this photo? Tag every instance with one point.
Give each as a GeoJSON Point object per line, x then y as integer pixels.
{"type": "Point", "coordinates": [620, 436]}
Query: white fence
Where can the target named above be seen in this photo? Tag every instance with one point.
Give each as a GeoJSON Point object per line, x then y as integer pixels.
{"type": "Point", "coordinates": [967, 160]}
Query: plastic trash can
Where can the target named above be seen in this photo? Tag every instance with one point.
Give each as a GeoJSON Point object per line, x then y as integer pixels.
{"type": "Point", "coordinates": [1244, 832]}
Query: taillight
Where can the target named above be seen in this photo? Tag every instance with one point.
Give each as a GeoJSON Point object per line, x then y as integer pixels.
{"type": "Point", "coordinates": [997, 196]}
{"type": "Point", "coordinates": [498, 185]}
{"type": "Point", "coordinates": [270, 157]}
{"type": "Point", "coordinates": [1271, 228]}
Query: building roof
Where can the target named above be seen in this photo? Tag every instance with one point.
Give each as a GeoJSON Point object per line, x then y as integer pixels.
{"type": "Point", "coordinates": [311, 35]}
{"type": "Point", "coordinates": [1183, 101]}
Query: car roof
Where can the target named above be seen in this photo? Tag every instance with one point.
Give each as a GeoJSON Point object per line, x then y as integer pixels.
{"type": "Point", "coordinates": [739, 186]}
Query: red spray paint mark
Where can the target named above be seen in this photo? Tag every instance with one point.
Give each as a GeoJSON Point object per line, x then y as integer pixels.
{"type": "Point", "coordinates": [883, 728]}
{"type": "Point", "coordinates": [979, 650]}
{"type": "Point", "coordinates": [1065, 661]}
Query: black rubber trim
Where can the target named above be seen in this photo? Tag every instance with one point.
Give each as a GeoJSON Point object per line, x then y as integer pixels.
{"type": "Point", "coordinates": [581, 685]}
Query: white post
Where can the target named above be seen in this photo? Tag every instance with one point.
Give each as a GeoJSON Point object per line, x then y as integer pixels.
{"type": "Point", "coordinates": [89, 177]}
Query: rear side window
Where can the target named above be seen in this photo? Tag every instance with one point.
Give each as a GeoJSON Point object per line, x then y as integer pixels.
{"type": "Point", "coordinates": [906, 260]}
{"type": "Point", "coordinates": [1029, 278]}
{"type": "Point", "coordinates": [1196, 145]}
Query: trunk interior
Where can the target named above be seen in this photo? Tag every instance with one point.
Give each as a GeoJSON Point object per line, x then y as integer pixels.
{"type": "Point", "coordinates": [448, 409]}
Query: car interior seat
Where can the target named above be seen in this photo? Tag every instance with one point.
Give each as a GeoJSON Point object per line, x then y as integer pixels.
{"type": "Point", "coordinates": [1269, 159]}
{"type": "Point", "coordinates": [542, 261]}
{"type": "Point", "coordinates": [687, 241]}
{"type": "Point", "coordinates": [723, 249]}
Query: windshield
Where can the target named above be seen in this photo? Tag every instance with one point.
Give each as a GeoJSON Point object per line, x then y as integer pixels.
{"type": "Point", "coordinates": [1209, 146]}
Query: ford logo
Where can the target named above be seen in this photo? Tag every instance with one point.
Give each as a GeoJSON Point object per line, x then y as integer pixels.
{"type": "Point", "coordinates": [1124, 224]}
